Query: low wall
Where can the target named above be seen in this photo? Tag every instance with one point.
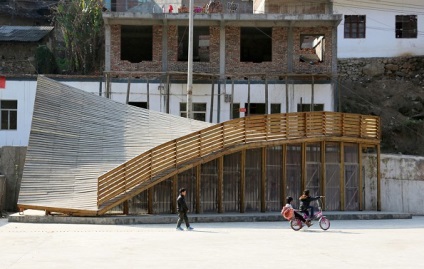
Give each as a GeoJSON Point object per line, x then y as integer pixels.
{"type": "Point", "coordinates": [402, 183]}
{"type": "Point", "coordinates": [12, 161]}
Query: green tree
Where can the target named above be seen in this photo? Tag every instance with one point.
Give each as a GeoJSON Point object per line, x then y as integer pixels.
{"type": "Point", "coordinates": [81, 24]}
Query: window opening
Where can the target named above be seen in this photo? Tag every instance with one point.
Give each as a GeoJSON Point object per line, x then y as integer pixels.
{"type": "Point", "coordinates": [9, 114]}
{"type": "Point", "coordinates": [198, 109]}
{"type": "Point", "coordinates": [406, 26]}
{"type": "Point", "coordinates": [312, 48]}
{"type": "Point", "coordinates": [307, 107]}
{"type": "Point", "coordinates": [136, 43]}
{"type": "Point", "coordinates": [201, 44]}
{"type": "Point", "coordinates": [255, 44]}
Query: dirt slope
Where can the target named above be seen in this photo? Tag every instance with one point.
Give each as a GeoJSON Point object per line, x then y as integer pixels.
{"type": "Point", "coordinates": [399, 103]}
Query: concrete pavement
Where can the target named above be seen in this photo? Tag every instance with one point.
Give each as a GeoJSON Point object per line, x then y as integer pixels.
{"type": "Point", "coordinates": [396, 243]}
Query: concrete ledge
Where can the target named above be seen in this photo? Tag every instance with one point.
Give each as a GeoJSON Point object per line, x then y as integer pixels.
{"type": "Point", "coordinates": [32, 216]}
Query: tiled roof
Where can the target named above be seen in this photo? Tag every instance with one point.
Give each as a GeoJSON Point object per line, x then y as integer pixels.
{"type": "Point", "coordinates": [24, 33]}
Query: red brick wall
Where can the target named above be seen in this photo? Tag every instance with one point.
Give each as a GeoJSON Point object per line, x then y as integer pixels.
{"type": "Point", "coordinates": [304, 67]}
{"type": "Point", "coordinates": [148, 66]}
{"type": "Point", "coordinates": [278, 65]}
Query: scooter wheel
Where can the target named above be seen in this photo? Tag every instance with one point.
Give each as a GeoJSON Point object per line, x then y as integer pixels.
{"type": "Point", "coordinates": [324, 223]}
{"type": "Point", "coordinates": [296, 224]}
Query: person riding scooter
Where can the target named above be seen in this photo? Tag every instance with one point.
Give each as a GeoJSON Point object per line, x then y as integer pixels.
{"type": "Point", "coordinates": [305, 201]}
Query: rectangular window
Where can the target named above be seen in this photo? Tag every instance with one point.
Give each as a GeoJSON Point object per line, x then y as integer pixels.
{"type": "Point", "coordinates": [9, 114]}
{"type": "Point", "coordinates": [275, 108]}
{"type": "Point", "coordinates": [236, 111]}
{"type": "Point", "coordinates": [136, 43]}
{"type": "Point", "coordinates": [198, 109]}
{"type": "Point", "coordinates": [312, 48]}
{"type": "Point", "coordinates": [200, 44]}
{"type": "Point", "coordinates": [308, 107]}
{"type": "Point", "coordinates": [354, 26]}
{"type": "Point", "coordinates": [255, 44]}
{"type": "Point", "coordinates": [406, 26]}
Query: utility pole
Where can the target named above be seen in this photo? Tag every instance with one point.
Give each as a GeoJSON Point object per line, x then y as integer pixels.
{"type": "Point", "coordinates": [189, 105]}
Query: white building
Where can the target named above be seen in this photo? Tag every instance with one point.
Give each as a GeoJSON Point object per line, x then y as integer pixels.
{"type": "Point", "coordinates": [21, 93]}
{"type": "Point", "coordinates": [380, 28]}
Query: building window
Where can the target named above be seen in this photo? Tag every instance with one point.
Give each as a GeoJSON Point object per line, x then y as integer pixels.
{"type": "Point", "coordinates": [275, 108]}
{"type": "Point", "coordinates": [200, 44]}
{"type": "Point", "coordinates": [255, 44]}
{"type": "Point", "coordinates": [236, 111]}
{"type": "Point", "coordinates": [308, 107]}
{"type": "Point", "coordinates": [198, 109]}
{"type": "Point", "coordinates": [312, 48]}
{"type": "Point", "coordinates": [138, 104]}
{"type": "Point", "coordinates": [136, 43]}
{"type": "Point", "coordinates": [354, 26]}
{"type": "Point", "coordinates": [9, 114]}
{"type": "Point", "coordinates": [406, 26]}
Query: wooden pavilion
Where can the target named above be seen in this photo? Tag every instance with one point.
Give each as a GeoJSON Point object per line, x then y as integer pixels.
{"type": "Point", "coordinates": [89, 155]}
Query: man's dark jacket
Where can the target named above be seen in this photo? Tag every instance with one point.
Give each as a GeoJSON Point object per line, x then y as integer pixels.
{"type": "Point", "coordinates": [181, 204]}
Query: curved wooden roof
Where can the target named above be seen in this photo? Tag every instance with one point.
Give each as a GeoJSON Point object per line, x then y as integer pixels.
{"type": "Point", "coordinates": [77, 136]}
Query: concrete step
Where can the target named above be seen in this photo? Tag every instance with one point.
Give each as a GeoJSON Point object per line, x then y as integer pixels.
{"type": "Point", "coordinates": [33, 216]}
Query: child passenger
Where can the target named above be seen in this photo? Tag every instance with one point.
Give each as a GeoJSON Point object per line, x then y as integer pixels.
{"type": "Point", "coordinates": [289, 199]}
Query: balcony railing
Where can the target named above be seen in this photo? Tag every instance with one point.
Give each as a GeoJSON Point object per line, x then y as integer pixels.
{"type": "Point", "coordinates": [220, 6]}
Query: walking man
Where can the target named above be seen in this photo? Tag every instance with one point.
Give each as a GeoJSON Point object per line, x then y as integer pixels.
{"type": "Point", "coordinates": [182, 211]}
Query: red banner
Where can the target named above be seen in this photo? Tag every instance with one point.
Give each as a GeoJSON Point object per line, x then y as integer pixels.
{"type": "Point", "coordinates": [2, 82]}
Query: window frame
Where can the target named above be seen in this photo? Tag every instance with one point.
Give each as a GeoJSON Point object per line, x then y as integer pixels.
{"type": "Point", "coordinates": [357, 22]}
{"type": "Point", "coordinates": [195, 111]}
{"type": "Point", "coordinates": [12, 123]}
{"type": "Point", "coordinates": [401, 22]}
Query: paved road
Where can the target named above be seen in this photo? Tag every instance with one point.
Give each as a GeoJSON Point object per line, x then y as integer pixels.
{"type": "Point", "coordinates": [347, 244]}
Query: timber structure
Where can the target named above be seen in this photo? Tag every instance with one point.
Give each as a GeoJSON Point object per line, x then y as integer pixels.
{"type": "Point", "coordinates": [89, 155]}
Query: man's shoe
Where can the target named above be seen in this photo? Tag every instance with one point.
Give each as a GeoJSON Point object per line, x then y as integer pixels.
{"type": "Point", "coordinates": [179, 229]}
{"type": "Point", "coordinates": [308, 223]}
{"type": "Point", "coordinates": [190, 228]}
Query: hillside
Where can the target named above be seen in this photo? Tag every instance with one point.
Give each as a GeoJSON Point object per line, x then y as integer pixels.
{"type": "Point", "coordinates": [399, 103]}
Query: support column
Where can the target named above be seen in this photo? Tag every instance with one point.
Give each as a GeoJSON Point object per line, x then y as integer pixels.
{"type": "Point", "coordinates": [148, 94]}
{"type": "Point", "coordinates": [361, 180]}
{"type": "Point", "coordinates": [232, 100]}
{"type": "Point", "coordinates": [378, 179]}
{"type": "Point", "coordinates": [220, 184]}
{"type": "Point", "coordinates": [107, 48]}
{"type": "Point", "coordinates": [165, 46]}
{"type": "Point", "coordinates": [248, 97]}
{"type": "Point", "coordinates": [212, 97]}
{"type": "Point", "coordinates": [242, 180]}
{"type": "Point", "coordinates": [266, 97]}
{"type": "Point", "coordinates": [342, 176]}
{"type": "Point", "coordinates": [128, 90]}
{"type": "Point", "coordinates": [198, 187]}
{"type": "Point", "coordinates": [284, 174]}
{"type": "Point", "coordinates": [323, 169]}
{"type": "Point", "coordinates": [263, 181]}
{"type": "Point", "coordinates": [303, 183]}
{"type": "Point", "coordinates": [174, 194]}
{"type": "Point", "coordinates": [150, 200]}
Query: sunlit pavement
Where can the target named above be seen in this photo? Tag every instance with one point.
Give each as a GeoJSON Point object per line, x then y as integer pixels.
{"type": "Point", "coordinates": [397, 243]}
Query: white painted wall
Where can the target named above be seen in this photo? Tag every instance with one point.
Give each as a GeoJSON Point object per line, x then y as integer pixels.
{"type": "Point", "coordinates": [24, 93]}
{"type": "Point", "coordinates": [402, 183]}
{"type": "Point", "coordinates": [380, 38]}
